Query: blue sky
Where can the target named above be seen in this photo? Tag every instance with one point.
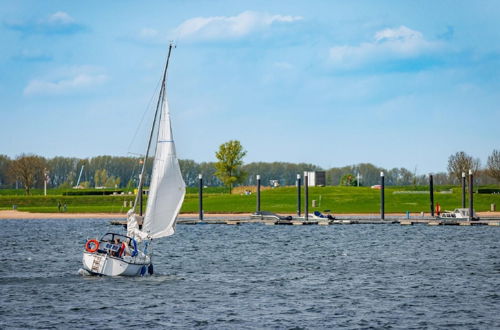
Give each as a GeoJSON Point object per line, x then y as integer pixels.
{"type": "Point", "coordinates": [394, 83]}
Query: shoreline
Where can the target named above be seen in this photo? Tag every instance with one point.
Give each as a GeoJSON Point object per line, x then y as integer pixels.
{"type": "Point", "coordinates": [20, 215]}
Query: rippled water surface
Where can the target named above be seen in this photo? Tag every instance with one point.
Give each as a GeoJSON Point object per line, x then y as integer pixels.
{"type": "Point", "coordinates": [257, 276]}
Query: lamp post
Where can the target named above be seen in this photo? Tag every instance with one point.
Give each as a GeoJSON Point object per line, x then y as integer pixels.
{"type": "Point", "coordinates": [471, 196]}
{"type": "Point", "coordinates": [382, 201]}
{"type": "Point", "coordinates": [306, 196]}
{"type": "Point", "coordinates": [45, 179]}
{"type": "Point", "coordinates": [258, 193]}
{"type": "Point", "coordinates": [298, 194]}
{"type": "Point", "coordinates": [431, 192]}
{"type": "Point", "coordinates": [463, 190]}
{"type": "Point", "coordinates": [200, 196]}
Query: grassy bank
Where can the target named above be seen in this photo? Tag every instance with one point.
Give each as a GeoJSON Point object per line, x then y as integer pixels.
{"type": "Point", "coordinates": [341, 200]}
{"type": "Point", "coordinates": [280, 200]}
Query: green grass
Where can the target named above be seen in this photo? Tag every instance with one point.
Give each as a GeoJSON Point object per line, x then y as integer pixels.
{"type": "Point", "coordinates": [208, 190]}
{"type": "Point", "coordinates": [58, 191]}
{"type": "Point", "coordinates": [280, 200]}
{"type": "Point", "coordinates": [338, 200]}
{"type": "Point", "coordinates": [55, 191]}
{"type": "Point", "coordinates": [74, 204]}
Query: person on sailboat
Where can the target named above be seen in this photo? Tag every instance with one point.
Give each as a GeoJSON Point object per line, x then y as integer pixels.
{"type": "Point", "coordinates": [116, 252]}
{"type": "Point", "coordinates": [125, 250]}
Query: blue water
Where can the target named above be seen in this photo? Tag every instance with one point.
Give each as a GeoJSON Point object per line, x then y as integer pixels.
{"type": "Point", "coordinates": [257, 276]}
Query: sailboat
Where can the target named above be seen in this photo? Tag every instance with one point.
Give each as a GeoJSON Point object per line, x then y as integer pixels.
{"type": "Point", "coordinates": [117, 254]}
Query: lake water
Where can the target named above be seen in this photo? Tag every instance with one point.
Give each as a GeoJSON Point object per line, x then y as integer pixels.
{"type": "Point", "coordinates": [257, 276]}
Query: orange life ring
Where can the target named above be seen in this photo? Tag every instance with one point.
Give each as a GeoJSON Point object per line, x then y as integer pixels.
{"type": "Point", "coordinates": [89, 242]}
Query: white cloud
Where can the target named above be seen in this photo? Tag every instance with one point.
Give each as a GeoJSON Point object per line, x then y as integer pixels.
{"type": "Point", "coordinates": [66, 81]}
{"type": "Point", "coordinates": [387, 44]}
{"type": "Point", "coordinates": [223, 27]}
{"type": "Point", "coordinates": [60, 17]}
{"type": "Point", "coordinates": [59, 22]}
{"type": "Point", "coordinates": [402, 33]}
{"type": "Point", "coordinates": [148, 33]}
{"type": "Point", "coordinates": [149, 36]}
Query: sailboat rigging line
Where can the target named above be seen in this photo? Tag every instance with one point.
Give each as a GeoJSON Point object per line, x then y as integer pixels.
{"type": "Point", "coordinates": [138, 198]}
{"type": "Point", "coordinates": [143, 116]}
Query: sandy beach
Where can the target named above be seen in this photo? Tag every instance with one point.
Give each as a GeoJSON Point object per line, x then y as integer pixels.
{"type": "Point", "coordinates": [13, 214]}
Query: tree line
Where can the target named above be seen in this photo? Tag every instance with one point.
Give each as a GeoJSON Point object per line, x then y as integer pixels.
{"type": "Point", "coordinates": [30, 171]}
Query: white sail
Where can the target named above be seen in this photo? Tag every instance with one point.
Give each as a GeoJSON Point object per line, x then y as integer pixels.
{"type": "Point", "coordinates": [167, 188]}
{"type": "Point", "coordinates": [133, 229]}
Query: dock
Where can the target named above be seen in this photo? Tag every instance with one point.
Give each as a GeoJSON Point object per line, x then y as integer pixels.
{"type": "Point", "coordinates": [339, 220]}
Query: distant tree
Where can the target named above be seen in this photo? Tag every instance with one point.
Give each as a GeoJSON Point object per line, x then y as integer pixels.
{"type": "Point", "coordinates": [62, 170]}
{"type": "Point", "coordinates": [100, 178]}
{"type": "Point", "coordinates": [442, 178]}
{"type": "Point", "coordinates": [27, 169]}
{"type": "Point", "coordinates": [369, 172]}
{"type": "Point", "coordinates": [493, 165]}
{"type": "Point", "coordinates": [230, 159]}
{"type": "Point", "coordinates": [190, 171]}
{"type": "Point", "coordinates": [4, 166]}
{"type": "Point", "coordinates": [112, 182]}
{"type": "Point", "coordinates": [461, 162]}
{"type": "Point", "coordinates": [406, 177]}
{"type": "Point", "coordinates": [207, 169]}
{"type": "Point", "coordinates": [348, 180]}
{"type": "Point", "coordinates": [285, 173]}
{"type": "Point", "coordinates": [85, 184]}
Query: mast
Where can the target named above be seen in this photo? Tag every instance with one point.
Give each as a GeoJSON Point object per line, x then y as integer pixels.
{"type": "Point", "coordinates": [138, 198]}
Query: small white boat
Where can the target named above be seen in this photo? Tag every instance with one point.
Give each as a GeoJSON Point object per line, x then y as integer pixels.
{"type": "Point", "coordinates": [116, 254]}
{"type": "Point", "coordinates": [462, 213]}
{"type": "Point", "coordinates": [321, 218]}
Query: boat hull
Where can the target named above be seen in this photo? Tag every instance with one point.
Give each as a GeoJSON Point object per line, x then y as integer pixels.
{"type": "Point", "coordinates": [103, 264]}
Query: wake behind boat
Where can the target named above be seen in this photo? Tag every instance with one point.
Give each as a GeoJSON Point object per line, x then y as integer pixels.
{"type": "Point", "coordinates": [130, 255]}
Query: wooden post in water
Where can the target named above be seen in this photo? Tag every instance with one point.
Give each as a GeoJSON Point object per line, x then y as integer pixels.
{"type": "Point", "coordinates": [306, 196]}
{"type": "Point", "coordinates": [298, 195]}
{"type": "Point", "coordinates": [258, 193]}
{"type": "Point", "coordinates": [463, 190]}
{"type": "Point", "coordinates": [431, 191]}
{"type": "Point", "coordinates": [200, 196]}
{"type": "Point", "coordinates": [471, 197]}
{"type": "Point", "coordinates": [382, 197]}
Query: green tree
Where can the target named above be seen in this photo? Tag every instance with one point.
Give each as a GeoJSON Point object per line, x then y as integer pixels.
{"type": "Point", "coordinates": [230, 159]}
{"type": "Point", "coordinates": [62, 170]}
{"type": "Point", "coordinates": [4, 167]}
{"type": "Point", "coordinates": [112, 182]}
{"type": "Point", "coordinates": [100, 178]}
{"type": "Point", "coordinates": [190, 171]}
{"type": "Point", "coordinates": [348, 180]}
{"type": "Point", "coordinates": [85, 184]}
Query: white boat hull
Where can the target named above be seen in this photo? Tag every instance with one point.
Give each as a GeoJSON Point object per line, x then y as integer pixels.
{"type": "Point", "coordinates": [103, 264]}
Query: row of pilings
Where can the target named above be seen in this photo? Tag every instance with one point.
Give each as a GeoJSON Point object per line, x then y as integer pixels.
{"type": "Point", "coordinates": [382, 195]}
